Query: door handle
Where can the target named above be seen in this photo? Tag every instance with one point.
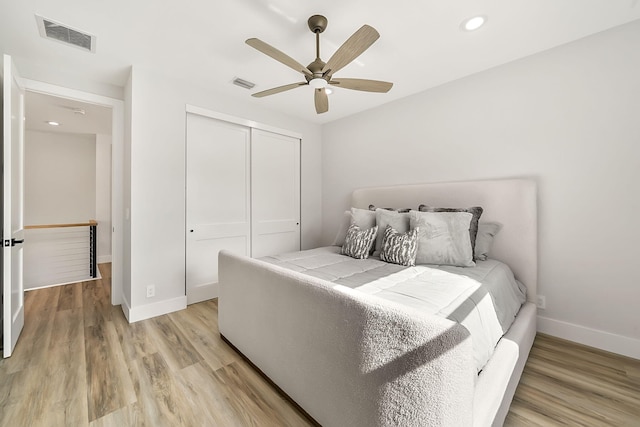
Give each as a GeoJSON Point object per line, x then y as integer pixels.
{"type": "Point", "coordinates": [16, 242]}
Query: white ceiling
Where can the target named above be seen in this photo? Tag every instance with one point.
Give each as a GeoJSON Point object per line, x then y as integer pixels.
{"type": "Point", "coordinates": [41, 109]}
{"type": "Point", "coordinates": [202, 41]}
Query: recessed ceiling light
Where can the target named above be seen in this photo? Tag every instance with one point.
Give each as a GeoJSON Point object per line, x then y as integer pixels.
{"type": "Point", "coordinates": [473, 23]}
{"type": "Point", "coordinates": [52, 123]}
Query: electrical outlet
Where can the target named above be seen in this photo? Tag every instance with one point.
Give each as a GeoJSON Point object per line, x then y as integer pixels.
{"type": "Point", "coordinates": [151, 291]}
{"type": "Point", "coordinates": [542, 302]}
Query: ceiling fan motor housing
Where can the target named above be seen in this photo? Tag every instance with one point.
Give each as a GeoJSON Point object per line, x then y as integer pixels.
{"type": "Point", "coordinates": [317, 23]}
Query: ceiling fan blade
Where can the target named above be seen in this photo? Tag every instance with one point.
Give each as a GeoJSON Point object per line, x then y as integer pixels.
{"type": "Point", "coordinates": [352, 48]}
{"type": "Point", "coordinates": [279, 56]}
{"type": "Point", "coordinates": [278, 89]}
{"type": "Point", "coordinates": [363, 85]}
{"type": "Point", "coordinates": [321, 100]}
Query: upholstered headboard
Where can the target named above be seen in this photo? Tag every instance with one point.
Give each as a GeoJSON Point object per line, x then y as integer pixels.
{"type": "Point", "coordinates": [511, 202]}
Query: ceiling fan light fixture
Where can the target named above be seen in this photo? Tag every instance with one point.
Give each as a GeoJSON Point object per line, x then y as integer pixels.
{"type": "Point", "coordinates": [318, 83]}
{"type": "Point", "coordinates": [318, 74]}
{"type": "Point", "coordinates": [328, 91]}
{"type": "Point", "coordinates": [473, 23]}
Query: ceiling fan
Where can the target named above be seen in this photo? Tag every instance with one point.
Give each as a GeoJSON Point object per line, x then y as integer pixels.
{"type": "Point", "coordinates": [319, 74]}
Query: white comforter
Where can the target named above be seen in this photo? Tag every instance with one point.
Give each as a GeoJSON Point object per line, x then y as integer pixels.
{"type": "Point", "coordinates": [484, 299]}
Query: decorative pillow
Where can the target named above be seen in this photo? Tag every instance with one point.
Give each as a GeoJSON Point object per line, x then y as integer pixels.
{"type": "Point", "coordinates": [476, 211]}
{"type": "Point", "coordinates": [484, 240]}
{"type": "Point", "coordinates": [399, 248]}
{"type": "Point", "coordinates": [443, 238]}
{"type": "Point", "coordinates": [342, 231]}
{"type": "Point", "coordinates": [399, 222]}
{"type": "Point", "coordinates": [358, 242]}
{"type": "Point", "coordinates": [403, 210]}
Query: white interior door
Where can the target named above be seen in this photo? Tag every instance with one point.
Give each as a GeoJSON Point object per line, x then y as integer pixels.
{"type": "Point", "coordinates": [12, 194]}
{"type": "Point", "coordinates": [218, 200]}
{"type": "Point", "coordinates": [275, 193]}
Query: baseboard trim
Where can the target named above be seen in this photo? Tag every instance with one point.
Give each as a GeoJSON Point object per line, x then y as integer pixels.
{"type": "Point", "coordinates": [602, 340]}
{"type": "Point", "coordinates": [147, 311]}
{"type": "Point", "coordinates": [104, 259]}
{"type": "Point", "coordinates": [203, 293]}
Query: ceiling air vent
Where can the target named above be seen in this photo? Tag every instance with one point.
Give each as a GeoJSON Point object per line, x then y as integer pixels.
{"type": "Point", "coordinates": [60, 32]}
{"type": "Point", "coordinates": [243, 83]}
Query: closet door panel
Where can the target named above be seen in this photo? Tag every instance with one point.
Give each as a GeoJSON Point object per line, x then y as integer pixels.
{"type": "Point", "coordinates": [217, 200]}
{"type": "Point", "coordinates": [275, 193]}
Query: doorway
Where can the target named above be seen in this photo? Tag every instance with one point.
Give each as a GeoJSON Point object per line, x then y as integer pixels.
{"type": "Point", "coordinates": [67, 190]}
{"type": "Point", "coordinates": [116, 228]}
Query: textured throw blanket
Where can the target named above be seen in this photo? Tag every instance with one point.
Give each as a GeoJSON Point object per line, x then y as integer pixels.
{"type": "Point", "coordinates": [346, 357]}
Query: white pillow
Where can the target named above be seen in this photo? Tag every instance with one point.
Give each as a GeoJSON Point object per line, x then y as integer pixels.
{"type": "Point", "coordinates": [443, 238]}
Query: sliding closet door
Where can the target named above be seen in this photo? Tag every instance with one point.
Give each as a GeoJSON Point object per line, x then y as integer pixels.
{"type": "Point", "coordinates": [275, 193]}
{"type": "Point", "coordinates": [218, 200]}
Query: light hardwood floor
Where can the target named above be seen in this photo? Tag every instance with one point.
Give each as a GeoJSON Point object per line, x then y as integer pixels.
{"type": "Point", "coordinates": [79, 363]}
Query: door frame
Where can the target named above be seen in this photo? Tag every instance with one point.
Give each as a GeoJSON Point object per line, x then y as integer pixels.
{"type": "Point", "coordinates": [240, 121]}
{"type": "Point", "coordinates": [117, 170]}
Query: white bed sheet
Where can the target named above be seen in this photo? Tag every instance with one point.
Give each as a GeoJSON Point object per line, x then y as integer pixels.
{"type": "Point", "coordinates": [485, 299]}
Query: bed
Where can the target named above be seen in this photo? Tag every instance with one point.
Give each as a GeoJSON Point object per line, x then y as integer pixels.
{"type": "Point", "coordinates": [349, 357]}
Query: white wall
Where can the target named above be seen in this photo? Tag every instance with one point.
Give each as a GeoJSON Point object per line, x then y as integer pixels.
{"type": "Point", "coordinates": [60, 180]}
{"type": "Point", "coordinates": [103, 197]}
{"type": "Point", "coordinates": [157, 169]}
{"type": "Point", "coordinates": [568, 117]}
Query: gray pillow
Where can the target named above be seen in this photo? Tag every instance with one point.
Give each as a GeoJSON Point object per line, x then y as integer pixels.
{"type": "Point", "coordinates": [363, 218]}
{"type": "Point", "coordinates": [476, 211]}
{"type": "Point", "coordinates": [443, 238]}
{"type": "Point", "coordinates": [402, 210]}
{"type": "Point", "coordinates": [358, 242]}
{"type": "Point", "coordinates": [342, 231]}
{"type": "Point", "coordinates": [399, 248]}
{"type": "Point", "coordinates": [484, 240]}
{"type": "Point", "coordinates": [399, 222]}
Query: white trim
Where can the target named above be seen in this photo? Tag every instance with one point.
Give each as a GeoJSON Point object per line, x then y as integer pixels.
{"type": "Point", "coordinates": [602, 340]}
{"type": "Point", "coordinates": [104, 259]}
{"type": "Point", "coordinates": [90, 279]}
{"type": "Point", "coordinates": [117, 165]}
{"type": "Point", "coordinates": [240, 121]}
{"type": "Point", "coordinates": [159, 308]}
{"type": "Point", "coordinates": [203, 293]}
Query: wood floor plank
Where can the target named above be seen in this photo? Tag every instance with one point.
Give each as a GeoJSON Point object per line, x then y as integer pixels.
{"type": "Point", "coordinates": [566, 383]}
{"type": "Point", "coordinates": [173, 344]}
{"type": "Point", "coordinates": [205, 339]}
{"type": "Point", "coordinates": [165, 403]}
{"type": "Point", "coordinates": [109, 385]}
{"type": "Point", "coordinates": [70, 297]}
{"type": "Point", "coordinates": [135, 339]}
{"type": "Point", "coordinates": [80, 363]}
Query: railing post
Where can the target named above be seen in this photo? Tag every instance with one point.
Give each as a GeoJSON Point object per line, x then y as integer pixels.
{"type": "Point", "coordinates": [93, 261]}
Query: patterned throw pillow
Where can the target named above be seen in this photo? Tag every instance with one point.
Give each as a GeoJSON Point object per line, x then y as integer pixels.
{"type": "Point", "coordinates": [358, 242]}
{"type": "Point", "coordinates": [399, 222]}
{"type": "Point", "coordinates": [399, 248]}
